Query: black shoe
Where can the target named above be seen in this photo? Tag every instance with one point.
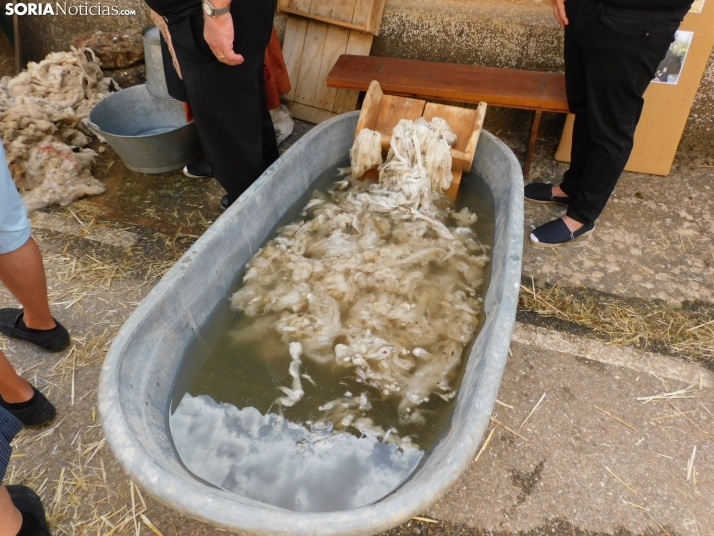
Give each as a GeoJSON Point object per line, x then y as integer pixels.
{"type": "Point", "coordinates": [556, 232]}
{"type": "Point", "coordinates": [33, 513]}
{"type": "Point", "coordinates": [224, 202]}
{"type": "Point", "coordinates": [12, 325]}
{"type": "Point", "coordinates": [35, 412]}
{"type": "Point", "coordinates": [539, 192]}
{"type": "Point", "coordinates": [200, 169]}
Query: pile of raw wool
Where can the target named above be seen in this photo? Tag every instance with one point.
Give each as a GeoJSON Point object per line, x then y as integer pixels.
{"type": "Point", "coordinates": [42, 113]}
{"type": "Point", "coordinates": [380, 277]}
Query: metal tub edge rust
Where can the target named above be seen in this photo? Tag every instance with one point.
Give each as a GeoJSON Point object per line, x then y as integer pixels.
{"type": "Point", "coordinates": [139, 372]}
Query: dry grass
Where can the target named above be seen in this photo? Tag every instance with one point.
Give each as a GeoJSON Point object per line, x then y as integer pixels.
{"type": "Point", "coordinates": [85, 212]}
{"type": "Point", "coordinates": [93, 289]}
{"type": "Point", "coordinates": [687, 331]}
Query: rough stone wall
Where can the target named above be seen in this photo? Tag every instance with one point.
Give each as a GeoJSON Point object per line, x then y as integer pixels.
{"type": "Point", "coordinates": [44, 34]}
{"type": "Point", "coordinates": [508, 34]}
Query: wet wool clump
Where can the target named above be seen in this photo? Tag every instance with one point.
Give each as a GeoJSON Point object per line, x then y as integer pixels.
{"type": "Point", "coordinates": [380, 278]}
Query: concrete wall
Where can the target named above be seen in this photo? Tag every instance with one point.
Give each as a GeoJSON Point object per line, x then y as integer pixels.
{"type": "Point", "coordinates": [518, 34]}
{"type": "Point", "coordinates": [44, 34]}
{"type": "Point", "coordinates": [509, 33]}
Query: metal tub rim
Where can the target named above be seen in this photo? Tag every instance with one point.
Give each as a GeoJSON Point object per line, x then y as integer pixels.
{"type": "Point", "coordinates": [444, 466]}
{"type": "Point", "coordinates": [139, 136]}
{"type": "Point", "coordinates": [107, 101]}
{"type": "Point", "coordinates": [152, 137]}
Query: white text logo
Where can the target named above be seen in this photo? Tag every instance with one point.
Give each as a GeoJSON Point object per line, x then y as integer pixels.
{"type": "Point", "coordinates": [57, 8]}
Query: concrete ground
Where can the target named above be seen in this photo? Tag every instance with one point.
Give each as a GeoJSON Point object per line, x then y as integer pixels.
{"type": "Point", "coordinates": [576, 446]}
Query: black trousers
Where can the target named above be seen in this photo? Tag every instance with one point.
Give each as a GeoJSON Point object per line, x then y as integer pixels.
{"type": "Point", "coordinates": [611, 55]}
{"type": "Point", "coordinates": [229, 103]}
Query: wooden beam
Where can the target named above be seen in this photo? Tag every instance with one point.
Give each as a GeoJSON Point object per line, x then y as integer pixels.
{"type": "Point", "coordinates": [328, 20]}
{"type": "Point", "coordinates": [513, 88]}
{"type": "Point", "coordinates": [18, 43]}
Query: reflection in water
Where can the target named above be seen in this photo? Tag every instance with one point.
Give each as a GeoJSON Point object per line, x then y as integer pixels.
{"type": "Point", "coordinates": [266, 458]}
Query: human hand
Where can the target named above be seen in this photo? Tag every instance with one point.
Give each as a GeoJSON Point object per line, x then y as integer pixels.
{"type": "Point", "coordinates": [219, 33]}
{"type": "Point", "coordinates": [559, 12]}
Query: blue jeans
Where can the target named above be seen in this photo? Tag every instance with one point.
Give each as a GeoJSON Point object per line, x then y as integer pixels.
{"type": "Point", "coordinates": [14, 225]}
{"type": "Point", "coordinates": [9, 427]}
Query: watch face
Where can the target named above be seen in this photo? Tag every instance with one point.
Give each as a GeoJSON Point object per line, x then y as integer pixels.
{"type": "Point", "coordinates": [207, 7]}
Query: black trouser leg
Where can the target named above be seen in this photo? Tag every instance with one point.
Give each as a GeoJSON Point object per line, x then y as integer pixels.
{"type": "Point", "coordinates": [611, 57]}
{"type": "Point", "coordinates": [270, 142]}
{"type": "Point", "coordinates": [228, 102]}
{"type": "Point", "coordinates": [576, 86]}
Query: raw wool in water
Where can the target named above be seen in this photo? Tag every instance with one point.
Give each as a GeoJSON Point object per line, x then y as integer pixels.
{"type": "Point", "coordinates": [381, 278]}
{"type": "Point", "coordinates": [42, 123]}
{"type": "Point", "coordinates": [419, 162]}
{"type": "Point", "coordinates": [366, 153]}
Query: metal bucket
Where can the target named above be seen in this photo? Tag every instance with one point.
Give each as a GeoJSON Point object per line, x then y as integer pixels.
{"type": "Point", "coordinates": [155, 77]}
{"type": "Point", "coordinates": [141, 368]}
{"type": "Point", "coordinates": [149, 134]}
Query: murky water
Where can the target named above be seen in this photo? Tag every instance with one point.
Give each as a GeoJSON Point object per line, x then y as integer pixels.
{"type": "Point", "coordinates": [227, 430]}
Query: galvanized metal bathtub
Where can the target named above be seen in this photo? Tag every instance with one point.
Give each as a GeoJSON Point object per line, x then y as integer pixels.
{"type": "Point", "coordinates": [143, 363]}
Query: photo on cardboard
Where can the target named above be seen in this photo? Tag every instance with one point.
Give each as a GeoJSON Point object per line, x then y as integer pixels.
{"type": "Point", "coordinates": [671, 66]}
{"type": "Point", "coordinates": [697, 6]}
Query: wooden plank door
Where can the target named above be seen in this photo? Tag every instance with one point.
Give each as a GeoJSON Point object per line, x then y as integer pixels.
{"type": "Point", "coordinates": [311, 48]}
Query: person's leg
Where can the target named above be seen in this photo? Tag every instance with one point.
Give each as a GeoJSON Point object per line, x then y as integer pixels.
{"type": "Point", "coordinates": [14, 388]}
{"type": "Point", "coordinates": [32, 512]}
{"type": "Point", "coordinates": [232, 133]}
{"type": "Point", "coordinates": [21, 399]}
{"type": "Point", "coordinates": [621, 50]}
{"type": "Point", "coordinates": [10, 516]}
{"type": "Point", "coordinates": [226, 100]}
{"type": "Point", "coordinates": [270, 142]}
{"type": "Point", "coordinates": [576, 91]}
{"type": "Point", "coordinates": [23, 273]}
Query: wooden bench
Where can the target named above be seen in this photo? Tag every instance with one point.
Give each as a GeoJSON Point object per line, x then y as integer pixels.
{"type": "Point", "coordinates": [510, 88]}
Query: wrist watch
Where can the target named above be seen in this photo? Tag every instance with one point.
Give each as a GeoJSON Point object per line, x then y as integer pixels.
{"type": "Point", "coordinates": [211, 11]}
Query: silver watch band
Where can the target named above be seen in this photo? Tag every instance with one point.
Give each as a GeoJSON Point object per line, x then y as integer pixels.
{"type": "Point", "coordinates": [213, 11]}
{"type": "Point", "coordinates": [221, 11]}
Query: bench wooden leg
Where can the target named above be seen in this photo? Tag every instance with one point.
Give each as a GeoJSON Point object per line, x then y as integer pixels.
{"type": "Point", "coordinates": [531, 143]}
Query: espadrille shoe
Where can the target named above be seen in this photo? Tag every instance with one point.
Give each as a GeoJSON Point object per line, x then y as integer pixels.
{"type": "Point", "coordinates": [539, 192]}
{"type": "Point", "coordinates": [13, 325]}
{"type": "Point", "coordinates": [556, 233]}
